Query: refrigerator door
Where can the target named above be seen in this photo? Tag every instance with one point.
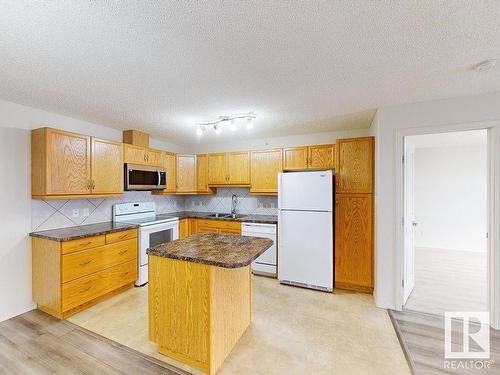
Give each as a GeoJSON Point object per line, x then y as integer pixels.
{"type": "Point", "coordinates": [307, 191]}
{"type": "Point", "coordinates": [305, 251]}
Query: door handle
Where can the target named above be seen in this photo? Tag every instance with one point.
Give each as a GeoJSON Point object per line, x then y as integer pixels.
{"type": "Point", "coordinates": [159, 177]}
{"type": "Point", "coordinates": [414, 223]}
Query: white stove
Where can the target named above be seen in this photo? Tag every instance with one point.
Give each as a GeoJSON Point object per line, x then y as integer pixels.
{"type": "Point", "coordinates": [153, 230]}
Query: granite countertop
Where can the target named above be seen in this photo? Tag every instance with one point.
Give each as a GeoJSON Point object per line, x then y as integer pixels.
{"type": "Point", "coordinates": [82, 231]}
{"type": "Point", "coordinates": [263, 219]}
{"type": "Point", "coordinates": [221, 250]}
{"type": "Point", "coordinates": [90, 230]}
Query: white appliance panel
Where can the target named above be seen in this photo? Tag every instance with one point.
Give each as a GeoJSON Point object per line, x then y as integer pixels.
{"type": "Point", "coordinates": [266, 262]}
{"type": "Point", "coordinates": [306, 248]}
{"type": "Point", "coordinates": [306, 191]}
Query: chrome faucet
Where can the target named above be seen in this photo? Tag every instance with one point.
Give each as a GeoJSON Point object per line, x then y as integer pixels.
{"type": "Point", "coordinates": [234, 202]}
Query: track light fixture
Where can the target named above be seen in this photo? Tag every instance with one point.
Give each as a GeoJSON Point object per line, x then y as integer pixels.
{"type": "Point", "coordinates": [216, 124]}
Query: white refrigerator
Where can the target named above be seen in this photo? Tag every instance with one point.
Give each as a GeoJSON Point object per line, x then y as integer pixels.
{"type": "Point", "coordinates": [306, 229]}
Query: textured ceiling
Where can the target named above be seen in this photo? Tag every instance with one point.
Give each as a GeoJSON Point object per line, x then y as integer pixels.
{"type": "Point", "coordinates": [302, 67]}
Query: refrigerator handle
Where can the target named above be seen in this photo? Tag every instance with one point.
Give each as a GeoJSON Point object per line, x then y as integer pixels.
{"type": "Point", "coordinates": [279, 190]}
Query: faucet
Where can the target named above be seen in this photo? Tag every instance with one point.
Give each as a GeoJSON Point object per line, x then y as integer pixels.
{"type": "Point", "coordinates": [234, 202]}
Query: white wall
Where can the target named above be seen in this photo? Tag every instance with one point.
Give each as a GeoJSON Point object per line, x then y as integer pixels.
{"type": "Point", "coordinates": [15, 205]}
{"type": "Point", "coordinates": [278, 142]}
{"type": "Point", "coordinates": [466, 111]}
{"type": "Point", "coordinates": [451, 197]}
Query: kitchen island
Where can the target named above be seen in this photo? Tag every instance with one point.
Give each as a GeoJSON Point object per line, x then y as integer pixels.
{"type": "Point", "coordinates": [200, 296]}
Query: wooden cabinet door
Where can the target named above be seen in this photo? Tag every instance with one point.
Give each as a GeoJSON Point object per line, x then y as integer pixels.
{"type": "Point", "coordinates": [295, 158]}
{"type": "Point", "coordinates": [217, 173]}
{"type": "Point", "coordinates": [321, 157]}
{"type": "Point", "coordinates": [154, 157]}
{"type": "Point", "coordinates": [68, 163]}
{"type": "Point", "coordinates": [354, 241]}
{"type": "Point", "coordinates": [186, 173]}
{"type": "Point", "coordinates": [169, 165]}
{"type": "Point", "coordinates": [238, 168]}
{"type": "Point", "coordinates": [355, 165]}
{"type": "Point", "coordinates": [265, 166]}
{"type": "Point", "coordinates": [107, 167]}
{"type": "Point", "coordinates": [134, 154]}
{"type": "Point", "coordinates": [202, 174]}
{"type": "Point", "coordinates": [183, 228]}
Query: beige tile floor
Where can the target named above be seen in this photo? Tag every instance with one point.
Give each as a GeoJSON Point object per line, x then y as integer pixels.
{"type": "Point", "coordinates": [293, 331]}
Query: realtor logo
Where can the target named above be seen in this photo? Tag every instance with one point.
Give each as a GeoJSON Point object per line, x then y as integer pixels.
{"type": "Point", "coordinates": [473, 334]}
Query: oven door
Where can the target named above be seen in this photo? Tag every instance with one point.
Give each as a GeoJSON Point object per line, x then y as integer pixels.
{"type": "Point", "coordinates": [143, 177]}
{"type": "Point", "coordinates": [156, 234]}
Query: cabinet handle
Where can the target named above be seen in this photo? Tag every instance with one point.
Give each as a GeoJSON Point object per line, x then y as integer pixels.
{"type": "Point", "coordinates": [86, 243]}
{"type": "Point", "coordinates": [123, 236]}
{"type": "Point", "coordinates": [93, 184]}
{"type": "Point", "coordinates": [144, 157]}
{"type": "Point", "coordinates": [85, 263]}
{"type": "Point", "coordinates": [124, 274]}
{"type": "Point", "coordinates": [85, 289]}
{"type": "Point", "coordinates": [122, 252]}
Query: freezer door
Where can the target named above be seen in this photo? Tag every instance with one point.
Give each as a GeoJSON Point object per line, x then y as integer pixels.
{"type": "Point", "coordinates": [305, 250]}
{"type": "Point", "coordinates": [311, 191]}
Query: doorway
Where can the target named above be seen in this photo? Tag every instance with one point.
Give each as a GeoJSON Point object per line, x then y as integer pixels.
{"type": "Point", "coordinates": [445, 222]}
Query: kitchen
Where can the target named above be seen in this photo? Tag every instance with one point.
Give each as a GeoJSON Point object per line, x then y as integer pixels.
{"type": "Point", "coordinates": [218, 188]}
{"type": "Point", "coordinates": [298, 184]}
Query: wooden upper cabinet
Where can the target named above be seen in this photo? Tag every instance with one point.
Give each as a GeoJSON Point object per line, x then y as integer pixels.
{"type": "Point", "coordinates": [134, 154]}
{"type": "Point", "coordinates": [169, 163]}
{"type": "Point", "coordinates": [107, 167]}
{"type": "Point", "coordinates": [154, 157]}
{"type": "Point", "coordinates": [321, 157]}
{"type": "Point", "coordinates": [238, 168]}
{"type": "Point", "coordinates": [309, 157]}
{"type": "Point", "coordinates": [355, 165]}
{"type": "Point", "coordinates": [217, 173]}
{"type": "Point", "coordinates": [232, 168]}
{"type": "Point", "coordinates": [295, 158]}
{"type": "Point", "coordinates": [202, 174]}
{"type": "Point", "coordinates": [186, 173]}
{"type": "Point", "coordinates": [60, 163]}
{"type": "Point", "coordinates": [265, 166]}
{"type": "Point", "coordinates": [354, 241]}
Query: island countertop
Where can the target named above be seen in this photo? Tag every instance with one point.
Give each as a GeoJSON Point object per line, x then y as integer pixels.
{"type": "Point", "coordinates": [227, 251]}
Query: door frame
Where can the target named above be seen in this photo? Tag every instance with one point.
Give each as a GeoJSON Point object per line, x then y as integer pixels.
{"type": "Point", "coordinates": [493, 279]}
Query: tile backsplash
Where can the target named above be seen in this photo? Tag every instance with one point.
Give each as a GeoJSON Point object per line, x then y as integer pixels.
{"type": "Point", "coordinates": [66, 213]}
{"type": "Point", "coordinates": [221, 202]}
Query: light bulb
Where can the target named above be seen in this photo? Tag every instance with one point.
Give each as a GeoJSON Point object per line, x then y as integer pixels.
{"type": "Point", "coordinates": [249, 123]}
{"type": "Point", "coordinates": [199, 131]}
{"type": "Point", "coordinates": [232, 126]}
{"type": "Point", "coordinates": [217, 129]}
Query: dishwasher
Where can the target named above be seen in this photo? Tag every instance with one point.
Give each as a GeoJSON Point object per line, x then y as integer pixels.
{"type": "Point", "coordinates": [265, 264]}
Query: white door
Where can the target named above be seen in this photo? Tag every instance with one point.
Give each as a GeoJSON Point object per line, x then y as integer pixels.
{"type": "Point", "coordinates": [409, 220]}
{"type": "Point", "coordinates": [305, 251]}
{"type": "Point", "coordinates": [309, 191]}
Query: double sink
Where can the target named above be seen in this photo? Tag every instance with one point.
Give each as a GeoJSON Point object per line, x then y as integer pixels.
{"type": "Point", "coordinates": [226, 216]}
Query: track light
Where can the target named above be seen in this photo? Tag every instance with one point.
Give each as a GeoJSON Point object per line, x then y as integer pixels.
{"type": "Point", "coordinates": [217, 129]}
{"type": "Point", "coordinates": [232, 126]}
{"type": "Point", "coordinates": [249, 123]}
{"type": "Point", "coordinates": [216, 124]}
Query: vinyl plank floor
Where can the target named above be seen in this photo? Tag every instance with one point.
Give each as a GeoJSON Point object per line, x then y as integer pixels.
{"type": "Point", "coordinates": [422, 337]}
{"type": "Point", "coordinates": [448, 280]}
{"type": "Point", "coordinates": [35, 343]}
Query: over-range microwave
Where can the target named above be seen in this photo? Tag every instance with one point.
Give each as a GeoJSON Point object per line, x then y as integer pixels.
{"type": "Point", "coordinates": [143, 177]}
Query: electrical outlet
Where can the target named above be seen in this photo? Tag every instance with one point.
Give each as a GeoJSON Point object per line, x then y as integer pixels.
{"type": "Point", "coordinates": [86, 212]}
{"type": "Point", "coordinates": [76, 213]}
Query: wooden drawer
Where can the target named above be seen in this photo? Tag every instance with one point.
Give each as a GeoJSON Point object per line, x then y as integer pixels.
{"type": "Point", "coordinates": [207, 230]}
{"type": "Point", "coordinates": [82, 244]}
{"type": "Point", "coordinates": [121, 236]}
{"type": "Point", "coordinates": [85, 262]}
{"type": "Point", "coordinates": [93, 286]}
{"type": "Point", "coordinates": [230, 231]}
{"type": "Point", "coordinates": [220, 224]}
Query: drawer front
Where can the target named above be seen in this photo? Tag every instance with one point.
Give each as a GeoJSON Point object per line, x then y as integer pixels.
{"type": "Point", "coordinates": [230, 231]}
{"type": "Point", "coordinates": [220, 224]}
{"type": "Point", "coordinates": [121, 236]}
{"type": "Point", "coordinates": [85, 289]}
{"type": "Point", "coordinates": [82, 244]}
{"type": "Point", "coordinates": [202, 229]}
{"type": "Point", "coordinates": [85, 262]}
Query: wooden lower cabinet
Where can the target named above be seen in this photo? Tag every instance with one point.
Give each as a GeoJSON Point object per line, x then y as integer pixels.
{"type": "Point", "coordinates": [183, 228]}
{"type": "Point", "coordinates": [218, 226]}
{"type": "Point", "coordinates": [73, 275]}
{"type": "Point", "coordinates": [354, 242]}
